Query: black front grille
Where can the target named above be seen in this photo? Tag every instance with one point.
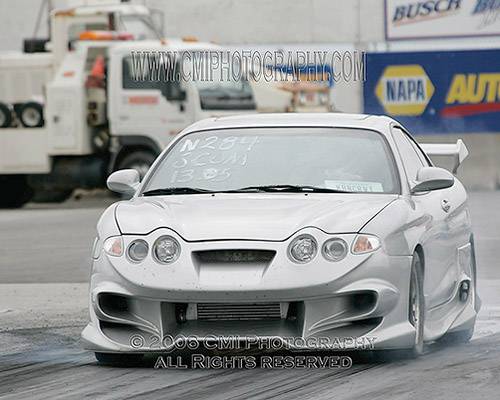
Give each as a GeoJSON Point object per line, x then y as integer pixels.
{"type": "Point", "coordinates": [238, 311]}
{"type": "Point", "coordinates": [235, 256]}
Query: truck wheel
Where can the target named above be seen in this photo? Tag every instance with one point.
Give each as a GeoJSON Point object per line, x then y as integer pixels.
{"type": "Point", "coordinates": [31, 114]}
{"type": "Point", "coordinates": [52, 195]}
{"type": "Point", "coordinates": [17, 191]}
{"type": "Point", "coordinates": [139, 160]}
{"type": "Point", "coordinates": [5, 116]}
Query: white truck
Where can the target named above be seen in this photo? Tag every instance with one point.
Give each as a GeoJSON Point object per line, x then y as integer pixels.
{"type": "Point", "coordinates": [33, 151]}
{"type": "Point", "coordinates": [73, 114]}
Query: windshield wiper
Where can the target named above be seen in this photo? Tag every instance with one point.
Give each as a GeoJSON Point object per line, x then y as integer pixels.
{"type": "Point", "coordinates": [286, 188]}
{"type": "Point", "coordinates": [248, 189]}
{"type": "Point", "coordinates": [175, 190]}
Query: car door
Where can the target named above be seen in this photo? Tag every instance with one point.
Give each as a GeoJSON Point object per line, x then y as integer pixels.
{"type": "Point", "coordinates": [431, 212]}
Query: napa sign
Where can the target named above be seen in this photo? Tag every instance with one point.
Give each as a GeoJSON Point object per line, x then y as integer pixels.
{"type": "Point", "coordinates": [436, 92]}
{"type": "Point", "coordinates": [404, 89]}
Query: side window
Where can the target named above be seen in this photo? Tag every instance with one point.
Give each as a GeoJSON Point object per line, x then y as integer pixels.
{"type": "Point", "coordinates": [171, 90]}
{"type": "Point", "coordinates": [423, 157]}
{"type": "Point", "coordinates": [411, 160]}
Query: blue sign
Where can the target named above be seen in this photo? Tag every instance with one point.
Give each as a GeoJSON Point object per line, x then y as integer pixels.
{"type": "Point", "coordinates": [310, 72]}
{"type": "Point", "coordinates": [436, 91]}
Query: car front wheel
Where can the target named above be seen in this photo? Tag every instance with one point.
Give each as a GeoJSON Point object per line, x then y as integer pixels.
{"type": "Point", "coordinates": [416, 309]}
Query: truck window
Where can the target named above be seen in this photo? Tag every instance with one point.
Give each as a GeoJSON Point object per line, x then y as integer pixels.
{"type": "Point", "coordinates": [75, 29]}
{"type": "Point", "coordinates": [140, 26]}
{"type": "Point", "coordinates": [222, 88]}
{"type": "Point", "coordinates": [226, 95]}
{"type": "Point", "coordinates": [170, 89]}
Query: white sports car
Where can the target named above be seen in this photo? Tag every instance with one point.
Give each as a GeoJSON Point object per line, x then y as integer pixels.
{"type": "Point", "coordinates": [315, 230]}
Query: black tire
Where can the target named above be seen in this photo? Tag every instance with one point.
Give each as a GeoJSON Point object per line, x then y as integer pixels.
{"type": "Point", "coordinates": [17, 191]}
{"type": "Point", "coordinates": [31, 114]}
{"type": "Point", "coordinates": [119, 360]}
{"type": "Point", "coordinates": [416, 305]}
{"type": "Point", "coordinates": [5, 116]}
{"type": "Point", "coordinates": [52, 196]}
{"type": "Point", "coordinates": [139, 160]}
{"type": "Point", "coordinates": [477, 300]}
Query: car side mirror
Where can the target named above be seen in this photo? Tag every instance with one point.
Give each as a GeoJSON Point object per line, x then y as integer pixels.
{"type": "Point", "coordinates": [124, 181]}
{"type": "Point", "coordinates": [432, 178]}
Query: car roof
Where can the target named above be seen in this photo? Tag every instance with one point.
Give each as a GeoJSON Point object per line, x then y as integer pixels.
{"type": "Point", "coordinates": [376, 122]}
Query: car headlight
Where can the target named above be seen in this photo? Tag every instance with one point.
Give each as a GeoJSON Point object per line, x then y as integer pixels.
{"type": "Point", "coordinates": [365, 244]}
{"type": "Point", "coordinates": [137, 250]}
{"type": "Point", "coordinates": [334, 249]}
{"type": "Point", "coordinates": [166, 249]}
{"type": "Point", "coordinates": [113, 246]}
{"type": "Point", "coordinates": [302, 249]}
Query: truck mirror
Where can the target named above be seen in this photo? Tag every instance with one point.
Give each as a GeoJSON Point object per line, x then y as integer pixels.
{"type": "Point", "coordinates": [182, 95]}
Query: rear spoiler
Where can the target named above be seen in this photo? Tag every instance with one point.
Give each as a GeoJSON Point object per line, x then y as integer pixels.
{"type": "Point", "coordinates": [458, 151]}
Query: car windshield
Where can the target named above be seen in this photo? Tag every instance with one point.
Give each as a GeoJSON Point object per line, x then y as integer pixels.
{"type": "Point", "coordinates": [280, 159]}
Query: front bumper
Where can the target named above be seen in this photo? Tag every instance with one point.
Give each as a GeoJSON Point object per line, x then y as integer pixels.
{"type": "Point", "coordinates": [359, 301]}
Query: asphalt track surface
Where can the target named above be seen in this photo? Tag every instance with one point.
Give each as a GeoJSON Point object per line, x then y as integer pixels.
{"type": "Point", "coordinates": [44, 266]}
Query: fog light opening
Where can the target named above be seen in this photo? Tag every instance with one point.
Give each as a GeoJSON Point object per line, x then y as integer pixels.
{"type": "Point", "coordinates": [463, 291]}
{"type": "Point", "coordinates": [293, 310]}
{"type": "Point", "coordinates": [110, 303]}
{"type": "Point", "coordinates": [363, 302]}
{"type": "Point", "coordinates": [180, 313]}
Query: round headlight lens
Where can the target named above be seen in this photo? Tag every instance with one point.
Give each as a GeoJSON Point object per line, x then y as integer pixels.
{"type": "Point", "coordinates": [138, 250]}
{"type": "Point", "coordinates": [166, 249]}
{"type": "Point", "coordinates": [302, 249]}
{"type": "Point", "coordinates": [334, 249]}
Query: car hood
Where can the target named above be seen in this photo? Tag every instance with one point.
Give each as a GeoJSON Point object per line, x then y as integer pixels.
{"type": "Point", "coordinates": [260, 216]}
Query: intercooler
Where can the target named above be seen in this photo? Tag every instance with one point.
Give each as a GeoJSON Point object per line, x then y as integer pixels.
{"type": "Point", "coordinates": [238, 311]}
